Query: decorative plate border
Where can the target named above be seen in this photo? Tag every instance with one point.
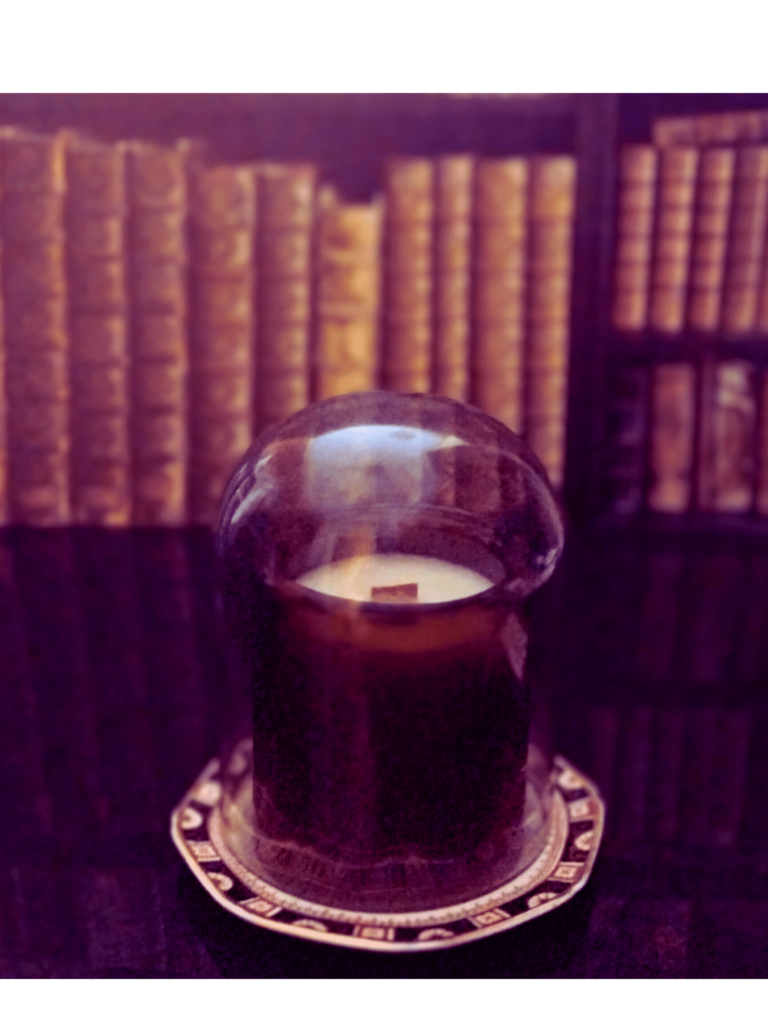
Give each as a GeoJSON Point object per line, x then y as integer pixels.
{"type": "Point", "coordinates": [557, 874]}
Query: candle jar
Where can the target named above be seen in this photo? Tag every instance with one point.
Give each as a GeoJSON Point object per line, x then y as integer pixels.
{"type": "Point", "coordinates": [377, 553]}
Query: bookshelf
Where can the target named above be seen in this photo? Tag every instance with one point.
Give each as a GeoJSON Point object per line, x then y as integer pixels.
{"type": "Point", "coordinates": [602, 354]}
{"type": "Point", "coordinates": [349, 137]}
{"type": "Point", "coordinates": [192, 277]}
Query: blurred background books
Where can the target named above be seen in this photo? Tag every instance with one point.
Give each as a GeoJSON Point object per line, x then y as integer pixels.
{"type": "Point", "coordinates": [163, 304]}
{"type": "Point", "coordinates": [177, 273]}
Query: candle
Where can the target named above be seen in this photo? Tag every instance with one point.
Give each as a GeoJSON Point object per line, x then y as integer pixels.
{"type": "Point", "coordinates": [396, 578]}
{"type": "Point", "coordinates": [377, 551]}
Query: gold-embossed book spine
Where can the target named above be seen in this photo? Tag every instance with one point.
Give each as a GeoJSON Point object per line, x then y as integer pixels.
{"type": "Point", "coordinates": [746, 241]}
{"type": "Point", "coordinates": [98, 332]}
{"type": "Point", "coordinates": [730, 462]}
{"type": "Point", "coordinates": [454, 194]}
{"type": "Point", "coordinates": [408, 270]}
{"type": "Point", "coordinates": [159, 350]}
{"type": "Point", "coordinates": [34, 291]}
{"type": "Point", "coordinates": [672, 243]}
{"type": "Point", "coordinates": [710, 237]}
{"type": "Point", "coordinates": [286, 216]}
{"type": "Point", "coordinates": [222, 219]}
{"type": "Point", "coordinates": [673, 410]}
{"type": "Point", "coordinates": [500, 257]}
{"type": "Point", "coordinates": [348, 267]}
{"type": "Point", "coordinates": [552, 206]}
{"type": "Point", "coordinates": [761, 323]}
{"type": "Point", "coordinates": [761, 483]}
{"type": "Point", "coordinates": [634, 237]}
{"type": "Point", "coordinates": [4, 507]}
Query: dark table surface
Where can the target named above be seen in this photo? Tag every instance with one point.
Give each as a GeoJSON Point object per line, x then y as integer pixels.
{"type": "Point", "coordinates": [648, 663]}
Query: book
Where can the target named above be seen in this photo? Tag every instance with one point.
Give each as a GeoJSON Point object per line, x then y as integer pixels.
{"type": "Point", "coordinates": [710, 235]}
{"type": "Point", "coordinates": [454, 190]}
{"type": "Point", "coordinates": [672, 242]}
{"type": "Point", "coordinates": [500, 256]}
{"type": "Point", "coordinates": [4, 510]}
{"type": "Point", "coordinates": [222, 235]}
{"type": "Point", "coordinates": [158, 259]}
{"type": "Point", "coordinates": [634, 236]}
{"type": "Point", "coordinates": [761, 484]}
{"type": "Point", "coordinates": [626, 429]}
{"type": "Point", "coordinates": [408, 274]}
{"type": "Point", "coordinates": [552, 204]}
{"type": "Point", "coordinates": [727, 445]}
{"type": "Point", "coordinates": [673, 406]}
{"type": "Point", "coordinates": [711, 129]}
{"type": "Point", "coordinates": [761, 321]}
{"type": "Point", "coordinates": [100, 471]}
{"type": "Point", "coordinates": [286, 217]}
{"type": "Point", "coordinates": [34, 293]}
{"type": "Point", "coordinates": [348, 270]}
{"type": "Point", "coordinates": [746, 240]}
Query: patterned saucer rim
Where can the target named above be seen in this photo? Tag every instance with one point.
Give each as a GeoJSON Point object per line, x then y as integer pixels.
{"type": "Point", "coordinates": [557, 874]}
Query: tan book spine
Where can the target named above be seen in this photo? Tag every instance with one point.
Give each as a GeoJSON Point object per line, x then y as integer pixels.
{"type": "Point", "coordinates": [634, 237]}
{"type": "Point", "coordinates": [98, 334]}
{"type": "Point", "coordinates": [761, 501]}
{"type": "Point", "coordinates": [500, 242]}
{"type": "Point", "coordinates": [733, 415]}
{"type": "Point", "coordinates": [672, 430]}
{"type": "Point", "coordinates": [746, 240]}
{"type": "Point", "coordinates": [710, 236]}
{"type": "Point", "coordinates": [222, 226]}
{"type": "Point", "coordinates": [4, 506]}
{"type": "Point", "coordinates": [705, 479]}
{"type": "Point", "coordinates": [454, 187]}
{"type": "Point", "coordinates": [34, 287]}
{"type": "Point", "coordinates": [761, 323]}
{"type": "Point", "coordinates": [286, 196]}
{"type": "Point", "coordinates": [348, 259]}
{"type": "Point", "coordinates": [408, 274]}
{"type": "Point", "coordinates": [672, 242]}
{"type": "Point", "coordinates": [552, 206]}
{"type": "Point", "coordinates": [158, 294]}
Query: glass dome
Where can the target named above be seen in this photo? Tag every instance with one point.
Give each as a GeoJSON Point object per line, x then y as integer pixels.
{"type": "Point", "coordinates": [377, 552]}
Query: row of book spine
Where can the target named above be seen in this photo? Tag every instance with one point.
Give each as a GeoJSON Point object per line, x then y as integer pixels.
{"type": "Point", "coordinates": [713, 129]}
{"type": "Point", "coordinates": [691, 252]}
{"type": "Point", "coordinates": [159, 310]}
{"type": "Point", "coordinates": [685, 436]}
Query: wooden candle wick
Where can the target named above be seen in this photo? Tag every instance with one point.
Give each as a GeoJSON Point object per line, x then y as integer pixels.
{"type": "Point", "coordinates": [397, 592]}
